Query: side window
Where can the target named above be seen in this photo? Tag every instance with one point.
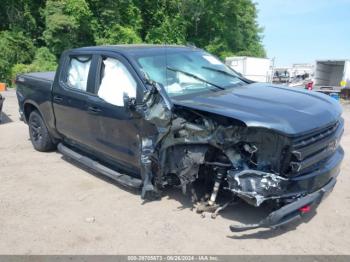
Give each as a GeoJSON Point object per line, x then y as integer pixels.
{"type": "Point", "coordinates": [78, 71]}
{"type": "Point", "coordinates": [116, 82]}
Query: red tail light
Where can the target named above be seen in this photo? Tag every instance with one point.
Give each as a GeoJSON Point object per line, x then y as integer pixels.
{"type": "Point", "coordinates": [309, 85]}
{"type": "Point", "coordinates": [305, 209]}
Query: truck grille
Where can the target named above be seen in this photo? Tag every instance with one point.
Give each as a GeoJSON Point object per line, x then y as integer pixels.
{"type": "Point", "coordinates": [310, 151]}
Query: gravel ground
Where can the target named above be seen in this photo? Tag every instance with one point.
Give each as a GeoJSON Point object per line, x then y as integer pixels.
{"type": "Point", "coordinates": [51, 206]}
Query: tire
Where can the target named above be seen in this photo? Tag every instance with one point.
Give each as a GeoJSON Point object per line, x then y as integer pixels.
{"type": "Point", "coordinates": [39, 135]}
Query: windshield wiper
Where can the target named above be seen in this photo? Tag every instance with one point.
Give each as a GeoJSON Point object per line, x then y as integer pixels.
{"type": "Point", "coordinates": [195, 77]}
{"type": "Point", "coordinates": [220, 71]}
{"type": "Point", "coordinates": [240, 77]}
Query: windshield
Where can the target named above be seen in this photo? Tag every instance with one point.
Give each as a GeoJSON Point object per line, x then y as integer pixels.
{"type": "Point", "coordinates": [187, 71]}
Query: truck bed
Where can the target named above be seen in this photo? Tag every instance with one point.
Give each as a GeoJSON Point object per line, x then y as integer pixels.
{"type": "Point", "coordinates": [45, 76]}
{"type": "Point", "coordinates": [41, 81]}
{"type": "Point", "coordinates": [36, 87]}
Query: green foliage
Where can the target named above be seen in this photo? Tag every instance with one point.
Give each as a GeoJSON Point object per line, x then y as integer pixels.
{"type": "Point", "coordinates": [115, 22]}
{"type": "Point", "coordinates": [170, 31]}
{"type": "Point", "coordinates": [44, 60]}
{"type": "Point", "coordinates": [22, 15]}
{"type": "Point", "coordinates": [224, 28]}
{"type": "Point", "coordinates": [21, 69]}
{"type": "Point", "coordinates": [67, 25]}
{"type": "Point", "coordinates": [163, 22]}
{"type": "Point", "coordinates": [15, 47]}
{"type": "Point", "coordinates": [118, 34]}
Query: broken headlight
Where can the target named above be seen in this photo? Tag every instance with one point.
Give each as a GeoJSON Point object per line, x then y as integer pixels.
{"type": "Point", "coordinates": [255, 186]}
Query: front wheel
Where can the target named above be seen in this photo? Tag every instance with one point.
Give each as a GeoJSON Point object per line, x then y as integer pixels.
{"type": "Point", "coordinates": [39, 135]}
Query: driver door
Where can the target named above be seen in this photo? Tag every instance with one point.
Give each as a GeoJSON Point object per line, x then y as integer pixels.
{"type": "Point", "coordinates": [113, 128]}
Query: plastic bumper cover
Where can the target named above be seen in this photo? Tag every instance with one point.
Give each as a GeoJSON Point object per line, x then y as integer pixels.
{"type": "Point", "coordinates": [290, 212]}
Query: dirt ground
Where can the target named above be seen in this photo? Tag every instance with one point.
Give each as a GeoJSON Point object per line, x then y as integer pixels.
{"type": "Point", "coordinates": [51, 206]}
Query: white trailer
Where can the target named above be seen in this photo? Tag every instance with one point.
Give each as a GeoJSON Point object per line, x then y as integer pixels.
{"type": "Point", "coordinates": [332, 74]}
{"type": "Point", "coordinates": [253, 68]}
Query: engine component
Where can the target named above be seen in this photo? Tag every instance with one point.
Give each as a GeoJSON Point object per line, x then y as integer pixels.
{"type": "Point", "coordinates": [214, 194]}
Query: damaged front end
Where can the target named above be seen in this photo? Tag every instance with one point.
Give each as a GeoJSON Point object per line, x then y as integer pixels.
{"type": "Point", "coordinates": [255, 186]}
{"type": "Point", "coordinates": [209, 155]}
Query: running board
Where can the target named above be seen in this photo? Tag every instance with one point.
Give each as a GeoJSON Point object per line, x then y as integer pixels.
{"type": "Point", "coordinates": [96, 166]}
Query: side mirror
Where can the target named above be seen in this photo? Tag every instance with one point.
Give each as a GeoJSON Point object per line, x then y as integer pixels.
{"type": "Point", "coordinates": [129, 102]}
{"type": "Point", "coordinates": [158, 89]}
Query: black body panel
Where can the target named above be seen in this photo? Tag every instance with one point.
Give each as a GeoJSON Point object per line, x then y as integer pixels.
{"type": "Point", "coordinates": [36, 89]}
{"type": "Point", "coordinates": [286, 110]}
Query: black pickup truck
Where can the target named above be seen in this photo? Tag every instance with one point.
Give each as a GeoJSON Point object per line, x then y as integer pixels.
{"type": "Point", "coordinates": [153, 116]}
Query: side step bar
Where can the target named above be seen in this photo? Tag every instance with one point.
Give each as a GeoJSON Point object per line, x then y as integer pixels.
{"type": "Point", "coordinates": [96, 166]}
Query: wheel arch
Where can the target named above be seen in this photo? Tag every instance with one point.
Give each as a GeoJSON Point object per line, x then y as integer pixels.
{"type": "Point", "coordinates": [28, 108]}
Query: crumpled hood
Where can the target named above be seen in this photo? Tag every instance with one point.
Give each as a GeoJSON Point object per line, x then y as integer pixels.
{"type": "Point", "coordinates": [291, 111]}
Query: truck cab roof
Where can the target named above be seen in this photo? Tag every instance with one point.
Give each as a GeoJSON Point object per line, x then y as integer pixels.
{"type": "Point", "coordinates": [137, 48]}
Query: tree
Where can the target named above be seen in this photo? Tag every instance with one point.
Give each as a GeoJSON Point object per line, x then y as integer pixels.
{"type": "Point", "coordinates": [67, 25]}
{"type": "Point", "coordinates": [15, 47]}
{"type": "Point", "coordinates": [118, 34]}
{"type": "Point", "coordinates": [170, 31]}
{"type": "Point", "coordinates": [44, 60]}
{"type": "Point", "coordinates": [116, 21]}
{"type": "Point", "coordinates": [222, 27]}
{"type": "Point", "coordinates": [163, 22]}
{"type": "Point", "coordinates": [22, 15]}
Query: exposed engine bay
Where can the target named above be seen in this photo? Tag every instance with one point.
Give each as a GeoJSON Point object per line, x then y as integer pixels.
{"type": "Point", "coordinates": [184, 148]}
{"type": "Point", "coordinates": [209, 155]}
{"type": "Point", "coordinates": [236, 158]}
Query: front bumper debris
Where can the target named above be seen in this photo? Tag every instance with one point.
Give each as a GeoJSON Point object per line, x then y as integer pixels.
{"type": "Point", "coordinates": [289, 212]}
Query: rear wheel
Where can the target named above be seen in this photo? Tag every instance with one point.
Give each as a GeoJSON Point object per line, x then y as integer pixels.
{"type": "Point", "coordinates": [39, 135]}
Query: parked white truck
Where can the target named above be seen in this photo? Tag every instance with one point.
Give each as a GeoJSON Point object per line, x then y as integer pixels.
{"type": "Point", "coordinates": [301, 69]}
{"type": "Point", "coordinates": [253, 68]}
{"type": "Point", "coordinates": [332, 74]}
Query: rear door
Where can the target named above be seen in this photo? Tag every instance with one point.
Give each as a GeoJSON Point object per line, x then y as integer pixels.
{"type": "Point", "coordinates": [114, 128]}
{"type": "Point", "coordinates": [70, 96]}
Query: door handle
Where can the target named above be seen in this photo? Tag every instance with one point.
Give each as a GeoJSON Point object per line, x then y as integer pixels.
{"type": "Point", "coordinates": [57, 99]}
{"type": "Point", "coordinates": [94, 109]}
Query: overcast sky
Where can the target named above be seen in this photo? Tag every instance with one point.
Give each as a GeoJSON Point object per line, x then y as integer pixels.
{"type": "Point", "coordinates": [298, 31]}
